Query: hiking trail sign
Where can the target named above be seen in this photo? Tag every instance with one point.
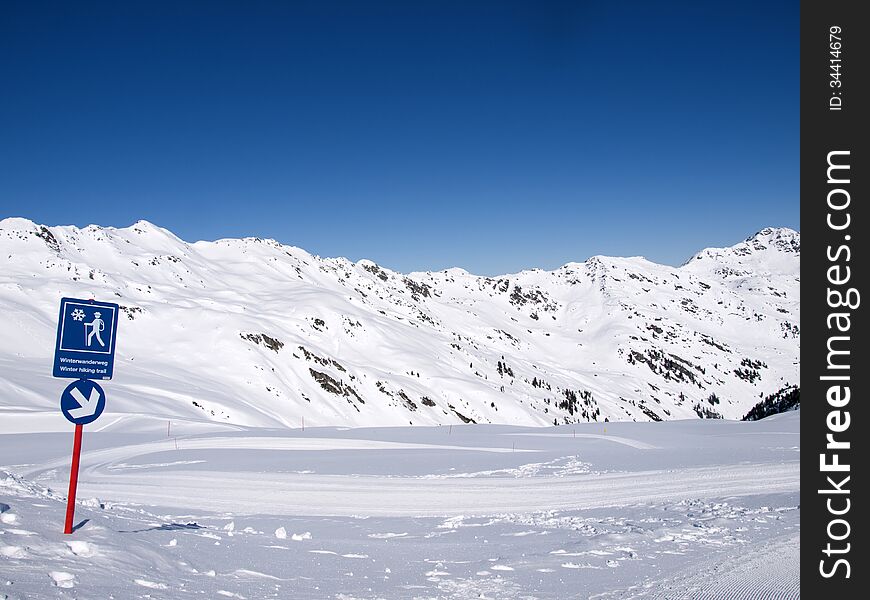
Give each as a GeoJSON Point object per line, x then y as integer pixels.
{"type": "Point", "coordinates": [85, 347]}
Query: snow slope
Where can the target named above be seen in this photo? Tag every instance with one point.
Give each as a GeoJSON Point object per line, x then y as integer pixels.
{"type": "Point", "coordinates": [251, 332]}
{"type": "Point", "coordinates": [681, 509]}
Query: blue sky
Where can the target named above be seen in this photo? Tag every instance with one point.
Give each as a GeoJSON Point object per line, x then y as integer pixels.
{"type": "Point", "coordinates": [495, 136]}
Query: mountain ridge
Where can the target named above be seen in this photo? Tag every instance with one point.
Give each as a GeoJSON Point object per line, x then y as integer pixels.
{"type": "Point", "coordinates": [268, 334]}
{"type": "Point", "coordinates": [143, 224]}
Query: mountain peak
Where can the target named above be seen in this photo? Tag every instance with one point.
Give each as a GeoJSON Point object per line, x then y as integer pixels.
{"type": "Point", "coordinates": [16, 223]}
{"type": "Point", "coordinates": [770, 242]}
{"type": "Point", "coordinates": [779, 238]}
{"type": "Point", "coordinates": [142, 226]}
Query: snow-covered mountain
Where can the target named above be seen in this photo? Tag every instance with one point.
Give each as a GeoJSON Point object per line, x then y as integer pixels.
{"type": "Point", "coordinates": [252, 332]}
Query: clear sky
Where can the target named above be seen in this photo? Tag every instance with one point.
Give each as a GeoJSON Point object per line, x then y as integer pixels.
{"type": "Point", "coordinates": [494, 136]}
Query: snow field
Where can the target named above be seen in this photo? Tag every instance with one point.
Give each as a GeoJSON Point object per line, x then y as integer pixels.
{"type": "Point", "coordinates": [572, 517]}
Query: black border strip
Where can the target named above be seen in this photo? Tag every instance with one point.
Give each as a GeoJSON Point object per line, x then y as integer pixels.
{"type": "Point", "coordinates": [830, 255]}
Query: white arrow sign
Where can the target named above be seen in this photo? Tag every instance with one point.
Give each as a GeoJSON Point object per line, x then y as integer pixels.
{"type": "Point", "coordinates": [87, 406]}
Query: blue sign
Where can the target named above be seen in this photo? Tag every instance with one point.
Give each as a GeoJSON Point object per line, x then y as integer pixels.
{"type": "Point", "coordinates": [82, 402]}
{"type": "Point", "coordinates": [85, 347]}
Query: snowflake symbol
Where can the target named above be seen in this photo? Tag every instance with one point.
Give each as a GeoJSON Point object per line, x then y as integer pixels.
{"type": "Point", "coordinates": [78, 314]}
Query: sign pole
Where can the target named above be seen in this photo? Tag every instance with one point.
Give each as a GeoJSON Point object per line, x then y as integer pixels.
{"type": "Point", "coordinates": [73, 481]}
{"type": "Point", "coordinates": [84, 350]}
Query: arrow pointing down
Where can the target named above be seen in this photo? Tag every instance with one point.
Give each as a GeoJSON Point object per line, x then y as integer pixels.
{"type": "Point", "coordinates": [87, 406]}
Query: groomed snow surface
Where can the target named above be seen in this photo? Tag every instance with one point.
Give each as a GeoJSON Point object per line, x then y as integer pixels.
{"type": "Point", "coordinates": [679, 509]}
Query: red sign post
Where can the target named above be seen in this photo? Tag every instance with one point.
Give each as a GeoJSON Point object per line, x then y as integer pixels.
{"type": "Point", "coordinates": [73, 481]}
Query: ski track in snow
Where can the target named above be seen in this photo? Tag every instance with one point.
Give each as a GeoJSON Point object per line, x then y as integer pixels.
{"type": "Point", "coordinates": [609, 438]}
{"type": "Point", "coordinates": [770, 572]}
{"type": "Point", "coordinates": [331, 495]}
{"type": "Point", "coordinates": [112, 455]}
{"type": "Point", "coordinates": [103, 474]}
